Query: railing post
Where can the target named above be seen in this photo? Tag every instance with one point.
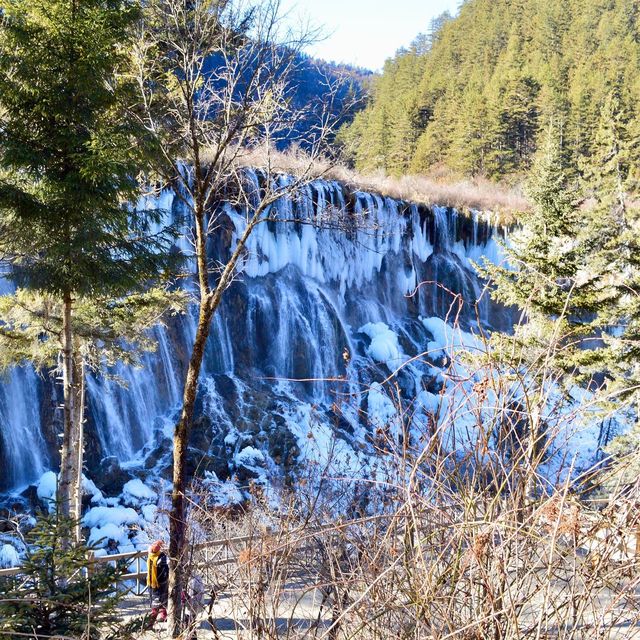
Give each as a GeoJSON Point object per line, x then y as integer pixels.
{"type": "Point", "coordinates": [226, 560]}
{"type": "Point", "coordinates": [138, 575]}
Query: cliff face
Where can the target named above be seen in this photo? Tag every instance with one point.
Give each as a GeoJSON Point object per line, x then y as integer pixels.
{"type": "Point", "coordinates": [335, 294]}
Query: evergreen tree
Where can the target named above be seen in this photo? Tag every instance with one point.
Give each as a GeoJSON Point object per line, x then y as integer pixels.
{"type": "Point", "coordinates": [559, 296]}
{"type": "Point", "coordinates": [611, 238]}
{"type": "Point", "coordinates": [68, 161]}
{"type": "Point", "coordinates": [543, 252]}
{"type": "Point", "coordinates": [107, 330]}
{"type": "Point", "coordinates": [549, 276]}
{"type": "Point", "coordinates": [60, 592]}
{"type": "Point", "coordinates": [527, 62]}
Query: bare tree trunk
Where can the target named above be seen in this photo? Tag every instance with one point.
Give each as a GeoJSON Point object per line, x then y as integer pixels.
{"type": "Point", "coordinates": [209, 303]}
{"type": "Point", "coordinates": [78, 425]}
{"type": "Point", "coordinates": [177, 519]}
{"type": "Point", "coordinates": [70, 485]}
{"type": "Point", "coordinates": [68, 459]}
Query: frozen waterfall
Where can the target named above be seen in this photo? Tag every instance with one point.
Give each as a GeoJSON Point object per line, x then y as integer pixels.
{"type": "Point", "coordinates": [323, 266]}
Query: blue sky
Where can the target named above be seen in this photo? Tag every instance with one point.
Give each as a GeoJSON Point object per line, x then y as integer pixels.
{"type": "Point", "coordinates": [366, 32]}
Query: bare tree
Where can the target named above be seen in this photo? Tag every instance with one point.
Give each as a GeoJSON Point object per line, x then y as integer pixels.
{"type": "Point", "coordinates": [216, 81]}
{"type": "Point", "coordinates": [440, 542]}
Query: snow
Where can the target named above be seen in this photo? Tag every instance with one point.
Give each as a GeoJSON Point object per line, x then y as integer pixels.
{"type": "Point", "coordinates": [89, 488]}
{"type": "Point", "coordinates": [250, 457]}
{"type": "Point", "coordinates": [47, 486]}
{"type": "Point", "coordinates": [318, 444]}
{"type": "Point", "coordinates": [223, 494]}
{"type": "Point", "coordinates": [8, 556]}
{"type": "Point", "coordinates": [101, 516]}
{"type": "Point", "coordinates": [149, 512]}
{"type": "Point", "coordinates": [384, 347]}
{"type": "Point", "coordinates": [135, 493]}
{"type": "Point", "coordinates": [141, 540]}
{"type": "Point", "coordinates": [100, 536]}
{"type": "Point", "coordinates": [429, 401]}
{"type": "Point", "coordinates": [231, 438]}
{"type": "Point", "coordinates": [447, 339]}
{"type": "Point", "coordinates": [381, 410]}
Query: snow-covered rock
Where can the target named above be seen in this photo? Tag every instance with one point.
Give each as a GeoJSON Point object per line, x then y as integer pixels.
{"type": "Point", "coordinates": [101, 516]}
{"type": "Point", "coordinates": [89, 488]}
{"type": "Point", "coordinates": [47, 486]}
{"type": "Point", "coordinates": [100, 536]}
{"type": "Point", "coordinates": [250, 457]}
{"type": "Point", "coordinates": [384, 346]}
{"type": "Point", "coordinates": [223, 494]}
{"type": "Point", "coordinates": [149, 512]}
{"type": "Point", "coordinates": [9, 556]}
{"type": "Point", "coordinates": [381, 410]}
{"type": "Point", "coordinates": [136, 493]}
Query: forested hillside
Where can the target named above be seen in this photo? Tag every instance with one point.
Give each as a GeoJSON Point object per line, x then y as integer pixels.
{"type": "Point", "coordinates": [478, 93]}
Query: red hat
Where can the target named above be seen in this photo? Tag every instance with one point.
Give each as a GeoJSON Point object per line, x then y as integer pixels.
{"type": "Point", "coordinates": [156, 546]}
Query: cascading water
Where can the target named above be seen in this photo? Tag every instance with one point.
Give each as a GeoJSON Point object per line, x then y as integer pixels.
{"type": "Point", "coordinates": [25, 454]}
{"type": "Point", "coordinates": [321, 282]}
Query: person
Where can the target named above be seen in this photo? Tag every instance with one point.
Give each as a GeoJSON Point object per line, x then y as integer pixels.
{"type": "Point", "coordinates": [193, 605]}
{"type": "Point", "coordinates": [158, 581]}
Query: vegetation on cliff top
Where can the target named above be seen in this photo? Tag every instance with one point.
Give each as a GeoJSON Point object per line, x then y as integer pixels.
{"type": "Point", "coordinates": [477, 94]}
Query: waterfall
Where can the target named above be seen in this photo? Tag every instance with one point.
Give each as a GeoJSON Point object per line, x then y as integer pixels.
{"type": "Point", "coordinates": [326, 264]}
{"type": "Point", "coordinates": [25, 454]}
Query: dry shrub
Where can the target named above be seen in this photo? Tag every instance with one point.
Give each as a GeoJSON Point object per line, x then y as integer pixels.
{"type": "Point", "coordinates": [446, 543]}
{"type": "Point", "coordinates": [444, 190]}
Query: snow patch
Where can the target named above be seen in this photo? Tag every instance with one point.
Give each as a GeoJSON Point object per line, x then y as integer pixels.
{"type": "Point", "coordinates": [135, 493]}
{"type": "Point", "coordinates": [250, 457]}
{"type": "Point", "coordinates": [47, 486]}
{"type": "Point", "coordinates": [100, 536]}
{"type": "Point", "coordinates": [101, 516]}
{"type": "Point", "coordinates": [384, 345]}
{"type": "Point", "coordinates": [447, 339]}
{"type": "Point", "coordinates": [149, 512]}
{"type": "Point", "coordinates": [9, 557]}
{"type": "Point", "coordinates": [381, 410]}
{"type": "Point", "coordinates": [222, 494]}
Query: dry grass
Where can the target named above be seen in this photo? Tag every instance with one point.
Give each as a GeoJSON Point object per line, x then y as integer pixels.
{"type": "Point", "coordinates": [478, 193]}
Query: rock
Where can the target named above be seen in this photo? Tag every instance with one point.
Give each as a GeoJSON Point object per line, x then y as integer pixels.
{"type": "Point", "coordinates": [112, 476]}
{"type": "Point", "coordinates": [283, 445]}
{"type": "Point", "coordinates": [30, 496]}
{"type": "Point", "coordinates": [245, 474]}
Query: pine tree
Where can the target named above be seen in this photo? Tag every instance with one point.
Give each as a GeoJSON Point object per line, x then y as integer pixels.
{"type": "Point", "coordinates": [68, 161]}
{"type": "Point", "coordinates": [543, 253]}
{"type": "Point", "coordinates": [611, 235]}
{"type": "Point", "coordinates": [550, 276]}
{"type": "Point", "coordinates": [559, 296]}
{"type": "Point", "coordinates": [60, 591]}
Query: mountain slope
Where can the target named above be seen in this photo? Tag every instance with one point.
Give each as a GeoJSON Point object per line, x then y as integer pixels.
{"type": "Point", "coordinates": [487, 85]}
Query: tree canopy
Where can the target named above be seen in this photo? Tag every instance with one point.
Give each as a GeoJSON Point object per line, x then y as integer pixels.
{"type": "Point", "coordinates": [479, 93]}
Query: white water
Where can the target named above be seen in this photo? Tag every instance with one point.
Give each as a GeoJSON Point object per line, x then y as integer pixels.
{"type": "Point", "coordinates": [305, 289]}
{"type": "Point", "coordinates": [21, 437]}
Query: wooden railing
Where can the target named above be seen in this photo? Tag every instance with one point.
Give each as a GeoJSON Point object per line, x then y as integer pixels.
{"type": "Point", "coordinates": [224, 552]}
{"type": "Point", "coordinates": [133, 560]}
